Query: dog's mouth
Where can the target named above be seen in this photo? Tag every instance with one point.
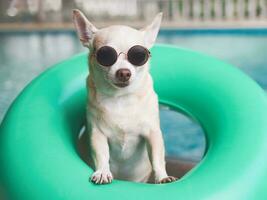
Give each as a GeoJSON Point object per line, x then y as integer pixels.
{"type": "Point", "coordinates": [122, 84]}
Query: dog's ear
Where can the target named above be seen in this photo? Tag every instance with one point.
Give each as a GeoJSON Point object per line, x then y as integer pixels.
{"type": "Point", "coordinates": [84, 28]}
{"type": "Point", "coordinates": [151, 31]}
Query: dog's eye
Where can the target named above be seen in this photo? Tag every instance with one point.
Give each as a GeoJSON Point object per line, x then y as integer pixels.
{"type": "Point", "coordinates": [138, 55]}
{"type": "Point", "coordinates": [106, 56]}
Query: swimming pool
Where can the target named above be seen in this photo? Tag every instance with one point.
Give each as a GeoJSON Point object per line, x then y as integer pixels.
{"type": "Point", "coordinates": [25, 55]}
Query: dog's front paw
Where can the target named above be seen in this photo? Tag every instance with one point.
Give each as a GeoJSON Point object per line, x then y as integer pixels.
{"type": "Point", "coordinates": [167, 179]}
{"type": "Point", "coordinates": [101, 177]}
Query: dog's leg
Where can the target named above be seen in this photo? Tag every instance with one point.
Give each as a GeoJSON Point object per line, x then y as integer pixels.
{"type": "Point", "coordinates": [100, 154]}
{"type": "Point", "coordinates": [157, 156]}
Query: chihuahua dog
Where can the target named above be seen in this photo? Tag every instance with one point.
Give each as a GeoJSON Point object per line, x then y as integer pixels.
{"type": "Point", "coordinates": [122, 115]}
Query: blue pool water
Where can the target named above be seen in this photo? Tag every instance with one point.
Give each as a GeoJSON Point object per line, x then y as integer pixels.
{"type": "Point", "coordinates": [25, 55]}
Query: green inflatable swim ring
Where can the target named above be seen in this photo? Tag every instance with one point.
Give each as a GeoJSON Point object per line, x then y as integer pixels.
{"type": "Point", "coordinates": [39, 159]}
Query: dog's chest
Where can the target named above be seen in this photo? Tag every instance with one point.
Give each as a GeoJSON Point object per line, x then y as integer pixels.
{"type": "Point", "coordinates": [125, 121]}
{"type": "Point", "coordinates": [126, 116]}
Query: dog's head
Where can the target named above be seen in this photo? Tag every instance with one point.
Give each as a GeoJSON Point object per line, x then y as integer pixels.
{"type": "Point", "coordinates": [119, 54]}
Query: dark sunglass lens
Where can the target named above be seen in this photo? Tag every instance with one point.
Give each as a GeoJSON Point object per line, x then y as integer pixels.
{"type": "Point", "coordinates": [106, 56]}
{"type": "Point", "coordinates": [138, 55]}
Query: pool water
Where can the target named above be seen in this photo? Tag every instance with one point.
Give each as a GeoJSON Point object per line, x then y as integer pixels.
{"type": "Point", "coordinates": [183, 137]}
{"type": "Point", "coordinates": [24, 56]}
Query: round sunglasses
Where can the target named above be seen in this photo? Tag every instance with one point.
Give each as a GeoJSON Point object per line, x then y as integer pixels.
{"type": "Point", "coordinates": [136, 55]}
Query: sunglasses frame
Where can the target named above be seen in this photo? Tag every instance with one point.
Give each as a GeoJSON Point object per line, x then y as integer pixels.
{"type": "Point", "coordinates": [126, 54]}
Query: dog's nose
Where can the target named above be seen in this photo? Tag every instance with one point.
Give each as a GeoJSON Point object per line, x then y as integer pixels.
{"type": "Point", "coordinates": [123, 75]}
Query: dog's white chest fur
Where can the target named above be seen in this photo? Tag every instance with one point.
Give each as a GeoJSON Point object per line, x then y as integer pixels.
{"type": "Point", "coordinates": [127, 115]}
